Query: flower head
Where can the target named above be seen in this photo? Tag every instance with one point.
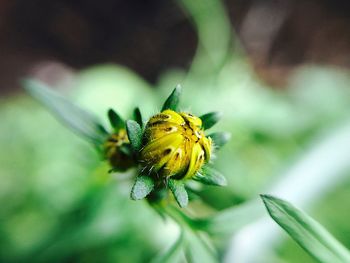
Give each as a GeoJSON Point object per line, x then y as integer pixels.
{"type": "Point", "coordinates": [175, 145]}
{"type": "Point", "coordinates": [173, 148]}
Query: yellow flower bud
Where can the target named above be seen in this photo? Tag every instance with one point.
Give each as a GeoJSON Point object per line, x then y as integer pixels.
{"type": "Point", "coordinates": [114, 152]}
{"type": "Point", "coordinates": [174, 145]}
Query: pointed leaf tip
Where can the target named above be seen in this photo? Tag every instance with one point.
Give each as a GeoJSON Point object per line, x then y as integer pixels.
{"type": "Point", "coordinates": [134, 133]}
{"type": "Point", "coordinates": [178, 189]}
{"type": "Point", "coordinates": [210, 119]}
{"type": "Point", "coordinates": [172, 102]}
{"type": "Point", "coordinates": [142, 187]}
{"type": "Point", "coordinates": [115, 120]}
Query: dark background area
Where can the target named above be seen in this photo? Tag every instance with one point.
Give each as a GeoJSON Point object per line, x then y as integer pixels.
{"type": "Point", "coordinates": [150, 36]}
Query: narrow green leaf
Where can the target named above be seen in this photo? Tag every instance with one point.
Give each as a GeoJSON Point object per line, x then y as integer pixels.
{"type": "Point", "coordinates": [134, 133]}
{"type": "Point", "coordinates": [308, 233]}
{"type": "Point", "coordinates": [220, 138]}
{"type": "Point", "coordinates": [116, 121]}
{"type": "Point", "coordinates": [172, 102]}
{"type": "Point", "coordinates": [178, 189]}
{"type": "Point", "coordinates": [210, 176]}
{"type": "Point", "coordinates": [142, 187]}
{"type": "Point", "coordinates": [210, 119]}
{"type": "Point", "coordinates": [173, 254]}
{"type": "Point", "coordinates": [138, 116]}
{"type": "Point", "coordinates": [78, 120]}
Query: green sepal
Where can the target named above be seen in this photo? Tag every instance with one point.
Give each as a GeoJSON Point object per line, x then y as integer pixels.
{"type": "Point", "coordinates": [138, 116]}
{"type": "Point", "coordinates": [142, 187]}
{"type": "Point", "coordinates": [78, 120]}
{"type": "Point", "coordinates": [210, 176]}
{"type": "Point", "coordinates": [307, 232]}
{"type": "Point", "coordinates": [220, 138]}
{"type": "Point", "coordinates": [116, 121]}
{"type": "Point", "coordinates": [178, 189]}
{"type": "Point", "coordinates": [210, 119]}
{"type": "Point", "coordinates": [172, 102]}
{"type": "Point", "coordinates": [134, 134]}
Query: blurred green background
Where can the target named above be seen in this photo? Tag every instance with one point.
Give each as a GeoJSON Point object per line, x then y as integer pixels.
{"type": "Point", "coordinates": [59, 204]}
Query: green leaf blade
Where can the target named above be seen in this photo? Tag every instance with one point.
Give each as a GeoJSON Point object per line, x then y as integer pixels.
{"type": "Point", "coordinates": [116, 121]}
{"type": "Point", "coordinates": [210, 119]}
{"type": "Point", "coordinates": [142, 187]}
{"type": "Point", "coordinates": [78, 120]}
{"type": "Point", "coordinates": [307, 232]}
{"type": "Point", "coordinates": [172, 102]}
{"type": "Point", "coordinates": [210, 176]}
{"type": "Point", "coordinates": [134, 131]}
{"type": "Point", "coordinates": [220, 138]}
{"type": "Point", "coordinates": [178, 189]}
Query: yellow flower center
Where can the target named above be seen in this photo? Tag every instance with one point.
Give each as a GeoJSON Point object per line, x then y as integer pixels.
{"type": "Point", "coordinates": [174, 145]}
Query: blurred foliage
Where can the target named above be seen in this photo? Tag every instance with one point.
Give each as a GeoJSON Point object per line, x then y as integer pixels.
{"type": "Point", "coordinates": [59, 204]}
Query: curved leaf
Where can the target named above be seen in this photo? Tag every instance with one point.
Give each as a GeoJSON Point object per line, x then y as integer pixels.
{"type": "Point", "coordinates": [77, 119]}
{"type": "Point", "coordinates": [308, 233]}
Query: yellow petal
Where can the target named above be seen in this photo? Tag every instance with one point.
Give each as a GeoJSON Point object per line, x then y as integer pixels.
{"type": "Point", "coordinates": [193, 120]}
{"type": "Point", "coordinates": [167, 116]}
{"type": "Point", "coordinates": [196, 161]}
{"type": "Point", "coordinates": [160, 150]}
{"type": "Point", "coordinates": [206, 144]}
{"type": "Point", "coordinates": [161, 129]}
{"type": "Point", "coordinates": [178, 163]}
